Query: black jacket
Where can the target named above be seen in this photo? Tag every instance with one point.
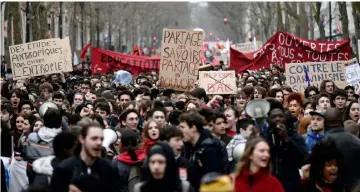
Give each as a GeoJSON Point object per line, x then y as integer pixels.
{"type": "Point", "coordinates": [287, 159]}
{"type": "Point", "coordinates": [183, 163]}
{"type": "Point", "coordinates": [73, 167]}
{"type": "Point", "coordinates": [349, 147]}
{"type": "Point", "coordinates": [208, 155]}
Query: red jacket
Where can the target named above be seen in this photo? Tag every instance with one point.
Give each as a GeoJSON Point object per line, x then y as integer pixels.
{"type": "Point", "coordinates": [261, 181]}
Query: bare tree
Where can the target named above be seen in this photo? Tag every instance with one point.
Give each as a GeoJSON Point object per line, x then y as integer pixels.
{"type": "Point", "coordinates": [344, 19]}
{"type": "Point", "coordinates": [316, 11]}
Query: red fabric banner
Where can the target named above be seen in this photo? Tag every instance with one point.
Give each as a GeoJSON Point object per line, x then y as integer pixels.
{"type": "Point", "coordinates": [137, 50]}
{"type": "Point", "coordinates": [107, 61]}
{"type": "Point", "coordinates": [84, 51]}
{"type": "Point", "coordinates": [285, 48]}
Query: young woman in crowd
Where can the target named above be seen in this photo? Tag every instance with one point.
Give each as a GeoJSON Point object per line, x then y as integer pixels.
{"type": "Point", "coordinates": [253, 170]}
{"type": "Point", "coordinates": [352, 112]}
{"type": "Point", "coordinates": [295, 105]}
{"type": "Point", "coordinates": [38, 123]}
{"type": "Point", "coordinates": [311, 91]}
{"type": "Point", "coordinates": [326, 169]}
{"type": "Point", "coordinates": [277, 94]}
{"type": "Point", "coordinates": [259, 92]}
{"type": "Point", "coordinates": [161, 172]}
{"type": "Point", "coordinates": [151, 134]}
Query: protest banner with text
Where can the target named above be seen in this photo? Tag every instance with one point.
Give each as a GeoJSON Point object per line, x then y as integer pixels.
{"type": "Point", "coordinates": [181, 54]}
{"type": "Point", "coordinates": [218, 82]}
{"type": "Point", "coordinates": [317, 72]}
{"type": "Point", "coordinates": [247, 47]}
{"type": "Point", "coordinates": [43, 57]}
{"type": "Point", "coordinates": [107, 61]}
{"type": "Point", "coordinates": [285, 48]}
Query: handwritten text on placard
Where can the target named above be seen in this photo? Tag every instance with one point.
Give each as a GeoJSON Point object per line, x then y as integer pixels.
{"type": "Point", "coordinates": [180, 58]}
{"type": "Point", "coordinates": [42, 57]}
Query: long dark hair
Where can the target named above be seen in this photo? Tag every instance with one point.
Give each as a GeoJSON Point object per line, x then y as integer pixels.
{"type": "Point", "coordinates": [347, 111]}
{"type": "Point", "coordinates": [171, 181]}
{"type": "Point", "coordinates": [129, 141]}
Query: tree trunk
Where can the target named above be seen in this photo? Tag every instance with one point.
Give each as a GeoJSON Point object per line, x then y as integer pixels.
{"type": "Point", "coordinates": [82, 24]}
{"type": "Point", "coordinates": [44, 28]}
{"type": "Point", "coordinates": [356, 15]}
{"type": "Point", "coordinates": [74, 28]}
{"type": "Point", "coordinates": [34, 18]}
{"type": "Point", "coordinates": [344, 19]}
{"type": "Point", "coordinates": [280, 24]}
{"type": "Point", "coordinates": [17, 24]}
{"type": "Point", "coordinates": [303, 21]}
{"type": "Point", "coordinates": [53, 24]}
{"type": "Point", "coordinates": [9, 38]}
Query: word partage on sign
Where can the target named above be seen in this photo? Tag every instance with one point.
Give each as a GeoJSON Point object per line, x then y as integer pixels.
{"type": "Point", "coordinates": [181, 53]}
{"type": "Point", "coordinates": [218, 82]}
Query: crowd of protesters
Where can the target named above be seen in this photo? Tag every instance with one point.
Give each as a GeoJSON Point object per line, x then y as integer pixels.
{"type": "Point", "coordinates": [176, 141]}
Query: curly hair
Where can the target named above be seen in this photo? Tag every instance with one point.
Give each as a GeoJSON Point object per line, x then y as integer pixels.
{"type": "Point", "coordinates": [295, 96]}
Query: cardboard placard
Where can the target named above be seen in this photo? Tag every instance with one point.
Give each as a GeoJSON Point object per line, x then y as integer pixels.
{"type": "Point", "coordinates": [218, 82]}
{"type": "Point", "coordinates": [248, 46]}
{"type": "Point", "coordinates": [353, 74]}
{"type": "Point", "coordinates": [41, 57]}
{"type": "Point", "coordinates": [181, 54]}
{"type": "Point", "coordinates": [317, 72]}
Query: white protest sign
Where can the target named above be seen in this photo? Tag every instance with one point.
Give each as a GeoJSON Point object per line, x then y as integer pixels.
{"type": "Point", "coordinates": [43, 57]}
{"type": "Point", "coordinates": [218, 82]}
{"type": "Point", "coordinates": [247, 47]}
{"type": "Point", "coordinates": [181, 54]}
{"type": "Point", "coordinates": [353, 74]}
{"type": "Point", "coordinates": [317, 72]}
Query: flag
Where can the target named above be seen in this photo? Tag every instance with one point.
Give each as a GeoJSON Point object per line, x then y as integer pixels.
{"type": "Point", "coordinates": [137, 50]}
{"type": "Point", "coordinates": [84, 51]}
{"type": "Point", "coordinates": [307, 79]}
{"type": "Point", "coordinates": [76, 60]}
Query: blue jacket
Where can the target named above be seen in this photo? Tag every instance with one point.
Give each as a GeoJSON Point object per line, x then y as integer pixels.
{"type": "Point", "coordinates": [312, 138]}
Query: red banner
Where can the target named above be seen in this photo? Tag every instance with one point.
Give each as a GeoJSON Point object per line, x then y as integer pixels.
{"type": "Point", "coordinates": [285, 48]}
{"type": "Point", "coordinates": [107, 61]}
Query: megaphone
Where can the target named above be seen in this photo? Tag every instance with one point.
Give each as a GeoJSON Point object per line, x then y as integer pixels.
{"type": "Point", "coordinates": [110, 137]}
{"type": "Point", "coordinates": [238, 151]}
{"type": "Point", "coordinates": [45, 106]}
{"type": "Point", "coordinates": [258, 110]}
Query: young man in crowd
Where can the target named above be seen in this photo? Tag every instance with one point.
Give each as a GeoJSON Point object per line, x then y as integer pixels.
{"type": "Point", "coordinates": [323, 102]}
{"type": "Point", "coordinates": [130, 119]}
{"type": "Point", "coordinates": [219, 128]}
{"type": "Point", "coordinates": [350, 92]}
{"type": "Point", "coordinates": [327, 86]}
{"type": "Point", "coordinates": [7, 113]}
{"type": "Point", "coordinates": [244, 129]}
{"type": "Point", "coordinates": [159, 115]}
{"type": "Point", "coordinates": [339, 98]}
{"type": "Point", "coordinates": [288, 150]}
{"type": "Point", "coordinates": [58, 99]}
{"type": "Point", "coordinates": [26, 108]}
{"type": "Point", "coordinates": [173, 136]}
{"type": "Point", "coordinates": [214, 157]}
{"type": "Point", "coordinates": [89, 162]}
{"type": "Point", "coordinates": [124, 98]}
{"type": "Point", "coordinates": [351, 127]}
{"type": "Point", "coordinates": [316, 131]}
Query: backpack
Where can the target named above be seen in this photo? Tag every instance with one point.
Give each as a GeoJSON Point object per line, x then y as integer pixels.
{"type": "Point", "coordinates": [134, 177]}
{"type": "Point", "coordinates": [37, 148]}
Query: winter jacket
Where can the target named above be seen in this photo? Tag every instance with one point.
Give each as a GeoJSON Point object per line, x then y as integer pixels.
{"type": "Point", "coordinates": [208, 155]}
{"type": "Point", "coordinates": [123, 165]}
{"type": "Point", "coordinates": [73, 167]}
{"type": "Point", "coordinates": [236, 140]}
{"type": "Point", "coordinates": [259, 182]}
{"type": "Point", "coordinates": [287, 158]}
{"type": "Point", "coordinates": [312, 138]}
{"type": "Point", "coordinates": [349, 147]}
{"type": "Point", "coordinates": [225, 138]}
{"type": "Point", "coordinates": [313, 186]}
{"type": "Point", "coordinates": [186, 172]}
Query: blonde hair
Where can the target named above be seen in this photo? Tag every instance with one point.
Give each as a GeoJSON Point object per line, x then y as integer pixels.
{"type": "Point", "coordinates": [244, 162]}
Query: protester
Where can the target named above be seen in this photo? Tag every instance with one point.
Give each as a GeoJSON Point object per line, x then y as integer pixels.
{"type": "Point", "coordinates": [253, 170]}
{"type": "Point", "coordinates": [42, 168]}
{"type": "Point", "coordinates": [326, 168]}
{"type": "Point", "coordinates": [316, 131]}
{"type": "Point", "coordinates": [88, 162]}
{"type": "Point", "coordinates": [288, 149]}
{"type": "Point", "coordinates": [128, 164]}
{"type": "Point", "coordinates": [214, 156]}
{"type": "Point", "coordinates": [161, 172]}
